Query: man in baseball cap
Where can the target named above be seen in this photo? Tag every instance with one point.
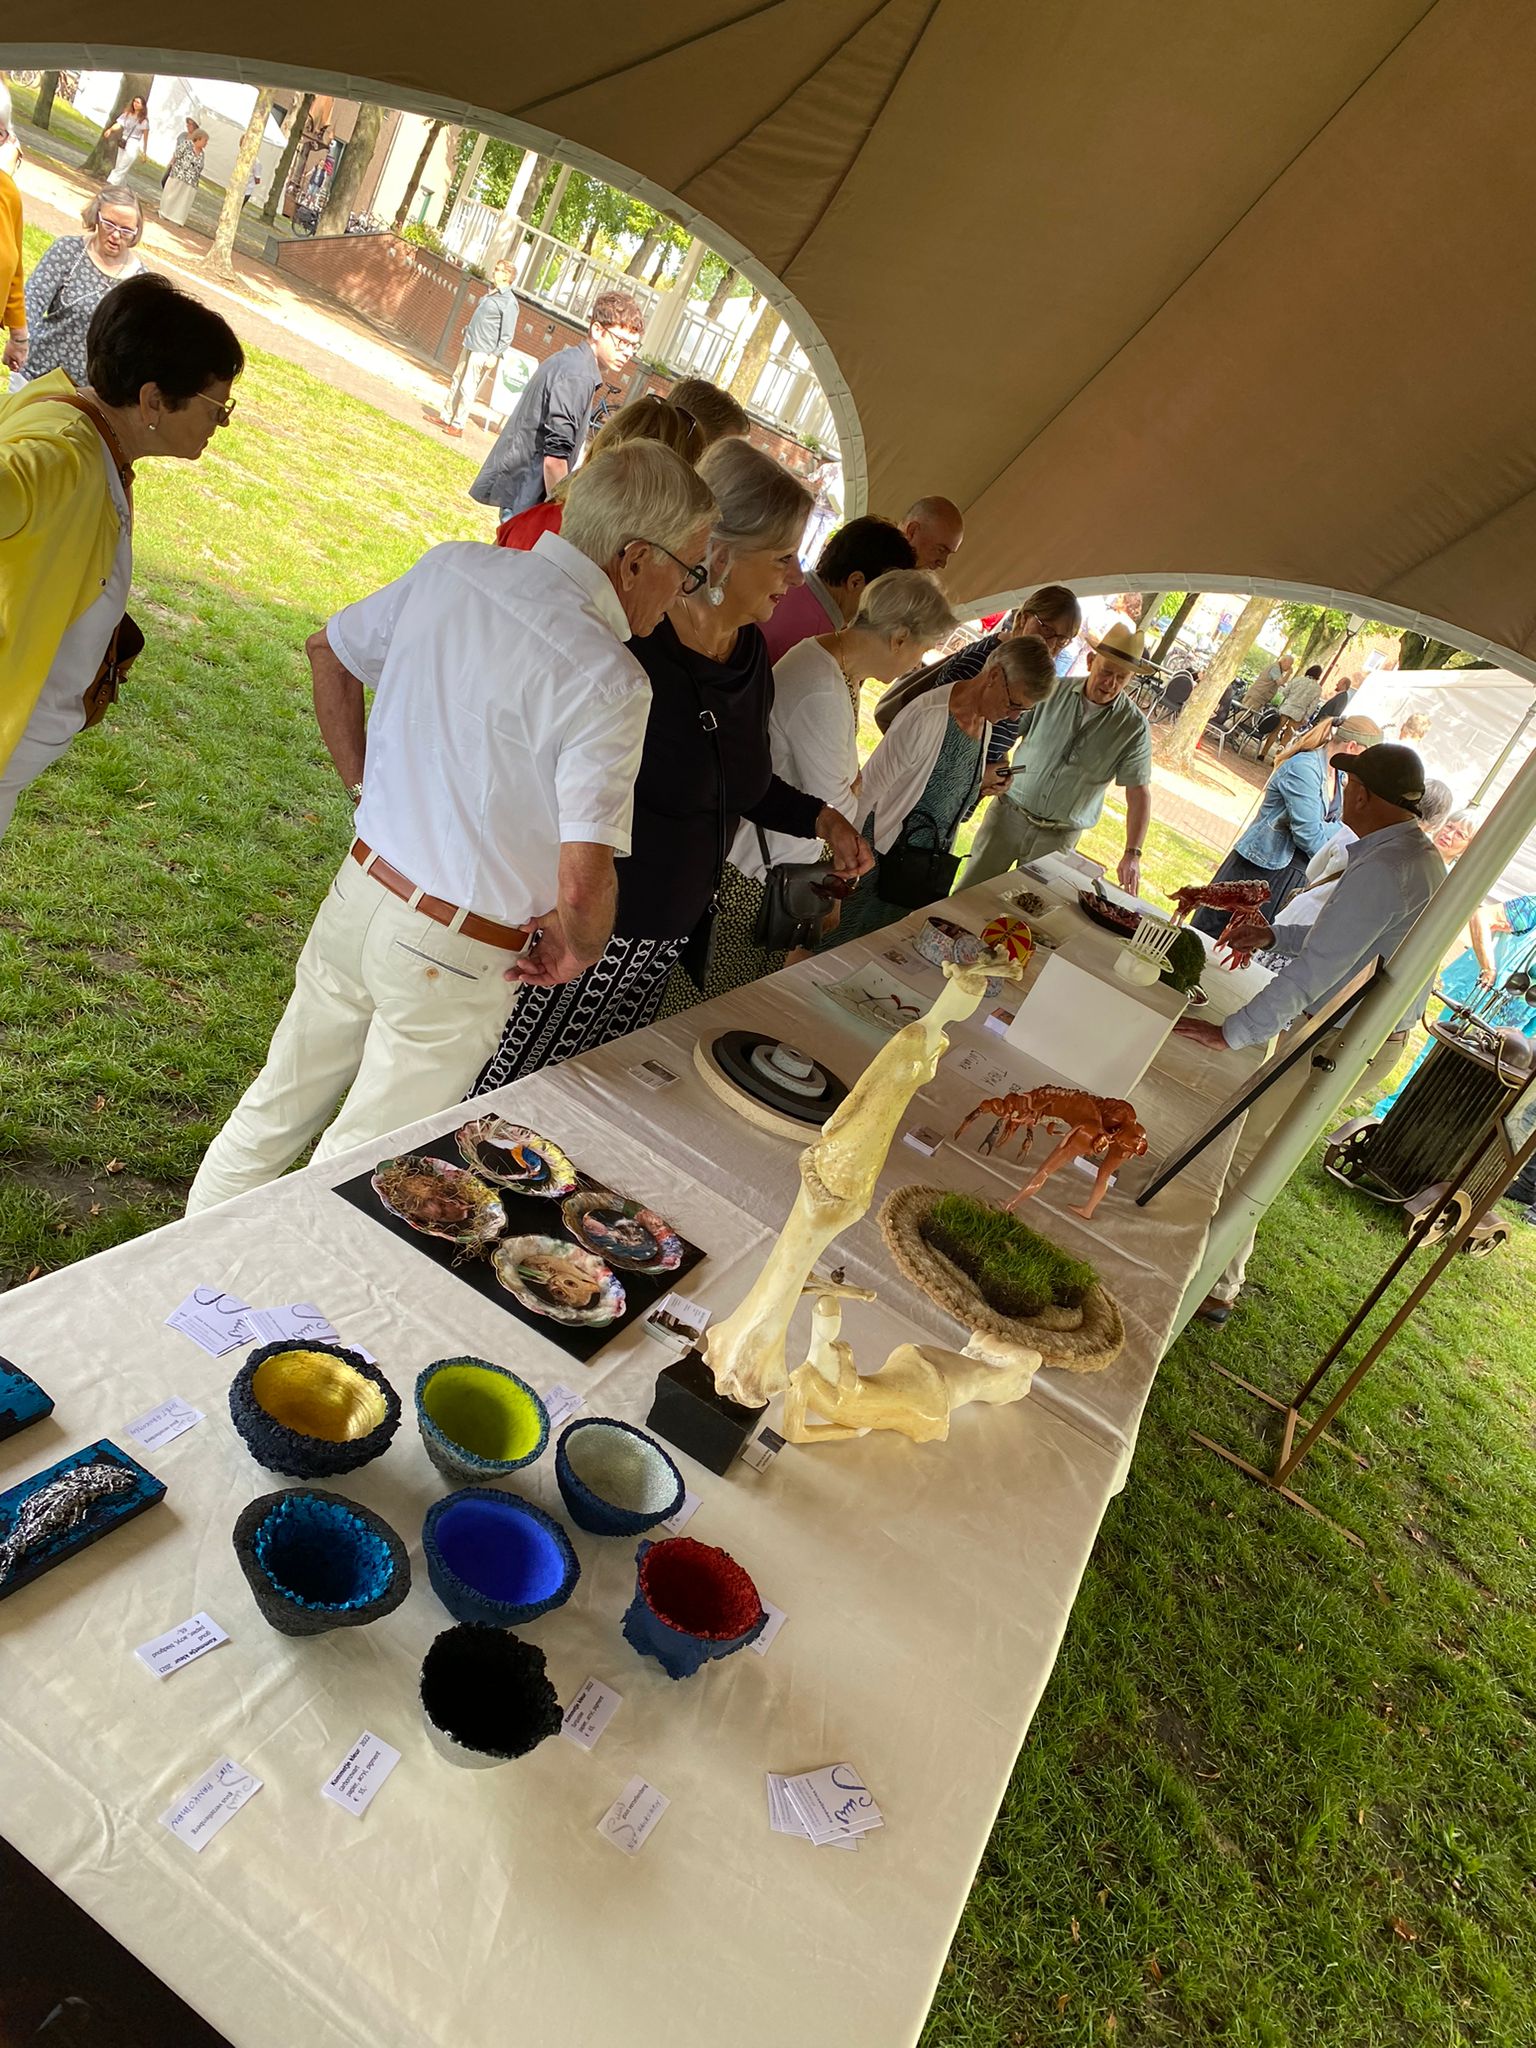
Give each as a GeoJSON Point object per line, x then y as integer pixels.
{"type": "Point", "coordinates": [1391, 872]}
{"type": "Point", "coordinates": [1392, 774]}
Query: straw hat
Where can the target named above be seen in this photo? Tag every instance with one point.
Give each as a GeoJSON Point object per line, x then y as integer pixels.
{"type": "Point", "coordinates": [1121, 644]}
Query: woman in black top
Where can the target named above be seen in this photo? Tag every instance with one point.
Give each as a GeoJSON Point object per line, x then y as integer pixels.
{"type": "Point", "coordinates": [706, 765]}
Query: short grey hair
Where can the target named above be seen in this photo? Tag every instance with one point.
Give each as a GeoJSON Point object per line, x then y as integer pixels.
{"type": "Point", "coordinates": [905, 600]}
{"type": "Point", "coordinates": [113, 195]}
{"type": "Point", "coordinates": [641, 491]}
{"type": "Point", "coordinates": [1027, 663]}
{"type": "Point", "coordinates": [1436, 805]}
{"type": "Point", "coordinates": [760, 504]}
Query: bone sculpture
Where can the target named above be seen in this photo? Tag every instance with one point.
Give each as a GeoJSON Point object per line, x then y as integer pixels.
{"type": "Point", "coordinates": [838, 1171]}
{"type": "Point", "coordinates": [914, 1392]}
{"type": "Point", "coordinates": [1097, 1127]}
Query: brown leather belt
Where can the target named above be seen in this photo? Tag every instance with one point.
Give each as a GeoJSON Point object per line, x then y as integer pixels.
{"type": "Point", "coordinates": [510, 936]}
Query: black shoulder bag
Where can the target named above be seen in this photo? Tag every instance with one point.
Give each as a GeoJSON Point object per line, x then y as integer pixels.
{"type": "Point", "coordinates": [796, 898]}
{"type": "Point", "coordinates": [910, 876]}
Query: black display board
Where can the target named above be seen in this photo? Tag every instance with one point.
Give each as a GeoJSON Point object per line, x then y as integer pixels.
{"type": "Point", "coordinates": [527, 1215]}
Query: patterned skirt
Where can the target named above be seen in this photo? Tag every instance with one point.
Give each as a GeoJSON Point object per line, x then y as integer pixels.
{"type": "Point", "coordinates": [735, 958]}
{"type": "Point", "coordinates": [622, 993]}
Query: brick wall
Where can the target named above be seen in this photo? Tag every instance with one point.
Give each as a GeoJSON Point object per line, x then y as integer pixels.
{"type": "Point", "coordinates": [430, 301]}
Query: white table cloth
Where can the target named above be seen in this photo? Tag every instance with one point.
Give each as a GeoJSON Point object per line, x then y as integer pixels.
{"type": "Point", "coordinates": [927, 1590]}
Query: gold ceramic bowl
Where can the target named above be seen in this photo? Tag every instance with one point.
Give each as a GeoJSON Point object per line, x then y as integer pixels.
{"type": "Point", "coordinates": [313, 1410]}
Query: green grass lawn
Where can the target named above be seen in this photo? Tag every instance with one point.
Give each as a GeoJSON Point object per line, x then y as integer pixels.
{"type": "Point", "coordinates": [1278, 1789]}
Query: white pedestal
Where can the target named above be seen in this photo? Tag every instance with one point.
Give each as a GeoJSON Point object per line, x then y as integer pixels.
{"type": "Point", "coordinates": [1098, 1032]}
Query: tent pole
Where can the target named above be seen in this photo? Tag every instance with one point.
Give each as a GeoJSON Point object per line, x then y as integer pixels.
{"type": "Point", "coordinates": [1375, 1018]}
{"type": "Point", "coordinates": [1505, 751]}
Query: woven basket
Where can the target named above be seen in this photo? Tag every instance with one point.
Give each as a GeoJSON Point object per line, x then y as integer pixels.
{"type": "Point", "coordinates": [1084, 1339]}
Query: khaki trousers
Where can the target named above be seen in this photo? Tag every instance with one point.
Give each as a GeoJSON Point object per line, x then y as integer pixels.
{"type": "Point", "coordinates": [390, 1009]}
{"type": "Point", "coordinates": [464, 390]}
{"type": "Point", "coordinates": [1267, 1112]}
{"type": "Point", "coordinates": [1007, 839]}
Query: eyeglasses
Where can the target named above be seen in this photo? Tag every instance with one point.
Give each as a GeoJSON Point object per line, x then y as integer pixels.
{"type": "Point", "coordinates": [224, 409]}
{"type": "Point", "coordinates": [694, 574]}
{"type": "Point", "coordinates": [116, 229]}
{"type": "Point", "coordinates": [624, 339]}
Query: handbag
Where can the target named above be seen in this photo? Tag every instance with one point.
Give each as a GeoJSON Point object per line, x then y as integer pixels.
{"type": "Point", "coordinates": [796, 898]}
{"type": "Point", "coordinates": [910, 876]}
{"type": "Point", "coordinates": [123, 650]}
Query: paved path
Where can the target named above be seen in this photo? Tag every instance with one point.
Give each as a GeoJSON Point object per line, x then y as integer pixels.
{"type": "Point", "coordinates": [269, 309]}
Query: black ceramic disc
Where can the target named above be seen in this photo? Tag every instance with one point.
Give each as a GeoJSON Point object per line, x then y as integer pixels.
{"type": "Point", "coordinates": [733, 1055]}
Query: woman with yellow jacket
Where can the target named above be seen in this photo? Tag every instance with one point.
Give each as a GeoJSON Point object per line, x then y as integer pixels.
{"type": "Point", "coordinates": [160, 367]}
{"type": "Point", "coordinates": [13, 304]}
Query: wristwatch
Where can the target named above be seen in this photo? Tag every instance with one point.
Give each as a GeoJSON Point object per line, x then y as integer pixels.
{"type": "Point", "coordinates": [355, 791]}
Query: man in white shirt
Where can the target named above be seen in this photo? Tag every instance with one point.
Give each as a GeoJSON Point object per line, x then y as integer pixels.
{"type": "Point", "coordinates": [1391, 872]}
{"type": "Point", "coordinates": [494, 786]}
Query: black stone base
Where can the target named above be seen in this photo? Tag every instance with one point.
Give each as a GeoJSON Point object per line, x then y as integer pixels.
{"type": "Point", "coordinates": [689, 1413]}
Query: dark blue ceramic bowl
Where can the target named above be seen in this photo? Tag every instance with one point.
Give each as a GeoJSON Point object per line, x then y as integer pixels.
{"type": "Point", "coordinates": [312, 1410]}
{"type": "Point", "coordinates": [316, 1562]}
{"type": "Point", "coordinates": [495, 1559]}
{"type": "Point", "coordinates": [614, 1479]}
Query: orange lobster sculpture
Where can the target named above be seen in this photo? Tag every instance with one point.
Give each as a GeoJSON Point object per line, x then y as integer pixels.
{"type": "Point", "coordinates": [1097, 1127]}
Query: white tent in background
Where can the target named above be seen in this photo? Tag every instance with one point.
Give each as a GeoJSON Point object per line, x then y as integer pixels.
{"type": "Point", "coordinates": [222, 108]}
{"type": "Point", "coordinates": [1473, 715]}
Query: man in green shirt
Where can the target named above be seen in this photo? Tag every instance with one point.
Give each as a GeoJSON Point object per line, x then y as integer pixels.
{"type": "Point", "coordinates": [1086, 735]}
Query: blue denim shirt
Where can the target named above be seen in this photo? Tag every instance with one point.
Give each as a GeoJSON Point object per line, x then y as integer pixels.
{"type": "Point", "coordinates": [1296, 815]}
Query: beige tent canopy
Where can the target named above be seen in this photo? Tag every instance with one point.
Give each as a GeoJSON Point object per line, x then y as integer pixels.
{"type": "Point", "coordinates": [1136, 287]}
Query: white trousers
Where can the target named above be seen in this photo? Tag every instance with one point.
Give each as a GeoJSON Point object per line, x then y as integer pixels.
{"type": "Point", "coordinates": [27, 761]}
{"type": "Point", "coordinates": [1267, 1112]}
{"type": "Point", "coordinates": [394, 1011]}
{"type": "Point", "coordinates": [465, 388]}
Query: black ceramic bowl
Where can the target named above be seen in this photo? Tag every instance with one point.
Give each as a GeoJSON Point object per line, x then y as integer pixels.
{"type": "Point", "coordinates": [312, 1410]}
{"type": "Point", "coordinates": [316, 1562]}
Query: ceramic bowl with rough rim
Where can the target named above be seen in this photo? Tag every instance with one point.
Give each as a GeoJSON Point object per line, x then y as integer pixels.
{"type": "Point", "coordinates": [316, 1562]}
{"type": "Point", "coordinates": [614, 1479]}
{"type": "Point", "coordinates": [478, 1421]}
{"type": "Point", "coordinates": [486, 1697]}
{"type": "Point", "coordinates": [312, 1410]}
{"type": "Point", "coordinates": [495, 1558]}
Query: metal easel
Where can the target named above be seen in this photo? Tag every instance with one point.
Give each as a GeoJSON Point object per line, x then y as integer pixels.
{"type": "Point", "coordinates": [1516, 1128]}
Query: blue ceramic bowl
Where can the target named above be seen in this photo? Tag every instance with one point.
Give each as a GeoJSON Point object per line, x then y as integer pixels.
{"type": "Point", "coordinates": [316, 1562]}
{"type": "Point", "coordinates": [614, 1479]}
{"type": "Point", "coordinates": [312, 1410]}
{"type": "Point", "coordinates": [478, 1421]}
{"type": "Point", "coordinates": [495, 1559]}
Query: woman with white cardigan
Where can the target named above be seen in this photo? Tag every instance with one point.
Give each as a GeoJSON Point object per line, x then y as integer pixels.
{"type": "Point", "coordinates": [813, 727]}
{"type": "Point", "coordinates": [929, 773]}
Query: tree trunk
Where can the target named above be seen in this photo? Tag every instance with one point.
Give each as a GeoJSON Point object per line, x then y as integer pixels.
{"type": "Point", "coordinates": [353, 168]}
{"type": "Point", "coordinates": [133, 85]}
{"type": "Point", "coordinates": [47, 86]}
{"type": "Point", "coordinates": [413, 184]}
{"type": "Point", "coordinates": [719, 298]}
{"type": "Point", "coordinates": [221, 257]}
{"type": "Point", "coordinates": [636, 265]}
{"type": "Point", "coordinates": [1150, 600]}
{"type": "Point", "coordinates": [530, 173]}
{"type": "Point", "coordinates": [1175, 625]}
{"type": "Point", "coordinates": [1414, 651]}
{"type": "Point", "coordinates": [1184, 736]}
{"type": "Point", "coordinates": [659, 267]}
{"type": "Point", "coordinates": [298, 121]}
{"type": "Point", "coordinates": [755, 354]}
{"type": "Point", "coordinates": [555, 200]}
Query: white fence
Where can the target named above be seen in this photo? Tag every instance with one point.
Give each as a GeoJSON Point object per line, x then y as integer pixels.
{"type": "Point", "coordinates": [568, 281]}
